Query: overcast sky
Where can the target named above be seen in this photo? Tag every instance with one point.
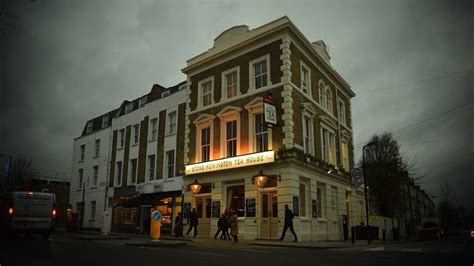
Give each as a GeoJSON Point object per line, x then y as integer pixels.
{"type": "Point", "coordinates": [65, 62]}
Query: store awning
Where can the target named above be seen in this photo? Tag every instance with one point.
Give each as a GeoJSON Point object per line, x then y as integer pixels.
{"type": "Point", "coordinates": [148, 199]}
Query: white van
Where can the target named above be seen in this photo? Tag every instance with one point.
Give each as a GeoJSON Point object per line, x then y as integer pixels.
{"type": "Point", "coordinates": [28, 212]}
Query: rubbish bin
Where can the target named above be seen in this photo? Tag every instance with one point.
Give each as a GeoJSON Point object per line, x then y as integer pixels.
{"type": "Point", "coordinates": [106, 223]}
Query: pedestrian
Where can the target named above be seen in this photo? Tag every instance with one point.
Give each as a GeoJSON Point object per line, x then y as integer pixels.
{"type": "Point", "coordinates": [193, 222]}
{"type": "Point", "coordinates": [234, 226]}
{"type": "Point", "coordinates": [220, 227]}
{"type": "Point", "coordinates": [288, 224]}
{"type": "Point", "coordinates": [225, 231]}
{"type": "Point", "coordinates": [178, 226]}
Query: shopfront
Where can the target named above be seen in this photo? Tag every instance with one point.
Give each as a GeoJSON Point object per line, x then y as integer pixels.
{"type": "Point", "coordinates": [132, 214]}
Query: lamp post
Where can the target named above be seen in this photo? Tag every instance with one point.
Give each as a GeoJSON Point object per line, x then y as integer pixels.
{"type": "Point", "coordinates": [195, 187]}
{"type": "Point", "coordinates": [365, 189]}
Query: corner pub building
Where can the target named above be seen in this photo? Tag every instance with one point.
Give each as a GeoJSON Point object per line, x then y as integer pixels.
{"type": "Point", "coordinates": [305, 158]}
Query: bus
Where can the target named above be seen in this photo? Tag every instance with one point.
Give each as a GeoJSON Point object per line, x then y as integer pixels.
{"type": "Point", "coordinates": [23, 212]}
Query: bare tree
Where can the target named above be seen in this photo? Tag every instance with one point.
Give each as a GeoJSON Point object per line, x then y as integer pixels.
{"type": "Point", "coordinates": [21, 171]}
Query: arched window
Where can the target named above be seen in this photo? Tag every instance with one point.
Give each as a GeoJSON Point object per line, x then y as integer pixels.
{"type": "Point", "coordinates": [322, 94]}
{"type": "Point", "coordinates": [328, 104]}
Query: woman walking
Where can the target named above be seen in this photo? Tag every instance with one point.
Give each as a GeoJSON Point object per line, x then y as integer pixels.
{"type": "Point", "coordinates": [178, 223]}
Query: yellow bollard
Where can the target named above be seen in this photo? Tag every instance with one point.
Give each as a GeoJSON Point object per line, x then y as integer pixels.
{"type": "Point", "coordinates": [155, 230]}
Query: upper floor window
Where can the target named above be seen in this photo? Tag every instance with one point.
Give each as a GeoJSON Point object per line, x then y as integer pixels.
{"type": "Point", "coordinates": [95, 175]}
{"type": "Point", "coordinates": [136, 133]}
{"type": "Point", "coordinates": [97, 148]}
{"type": "Point", "coordinates": [342, 112]}
{"type": "Point", "coordinates": [308, 136]}
{"type": "Point", "coordinates": [260, 72]}
{"type": "Point", "coordinates": [118, 174]}
{"type": "Point", "coordinates": [261, 134]}
{"type": "Point", "coordinates": [328, 146]}
{"type": "Point", "coordinates": [82, 152]}
{"type": "Point", "coordinates": [172, 122]}
{"type": "Point", "coordinates": [345, 155]}
{"type": "Point", "coordinates": [105, 121]}
{"type": "Point", "coordinates": [230, 84]}
{"type": "Point", "coordinates": [153, 128]}
{"type": "Point", "coordinates": [322, 94]}
{"type": "Point", "coordinates": [81, 177]}
{"type": "Point", "coordinates": [121, 138]}
{"type": "Point", "coordinates": [142, 101]}
{"type": "Point", "coordinates": [151, 167]}
{"type": "Point", "coordinates": [305, 79]}
{"type": "Point", "coordinates": [205, 92]}
{"type": "Point", "coordinates": [205, 144]}
{"type": "Point", "coordinates": [231, 138]}
{"type": "Point", "coordinates": [128, 108]}
{"type": "Point", "coordinates": [329, 100]}
{"type": "Point", "coordinates": [89, 127]}
{"type": "Point", "coordinates": [133, 171]}
{"type": "Point", "coordinates": [170, 163]}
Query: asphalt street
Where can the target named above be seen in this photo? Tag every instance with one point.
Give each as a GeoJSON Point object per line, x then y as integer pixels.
{"type": "Point", "coordinates": [66, 250]}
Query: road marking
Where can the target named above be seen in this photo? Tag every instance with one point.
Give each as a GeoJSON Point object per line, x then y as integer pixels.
{"type": "Point", "coordinates": [375, 249]}
{"type": "Point", "coordinates": [252, 250]}
{"type": "Point", "coordinates": [411, 250]}
{"type": "Point", "coordinates": [183, 251]}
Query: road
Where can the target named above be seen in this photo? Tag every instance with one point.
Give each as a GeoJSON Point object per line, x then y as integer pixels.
{"type": "Point", "coordinates": [64, 250]}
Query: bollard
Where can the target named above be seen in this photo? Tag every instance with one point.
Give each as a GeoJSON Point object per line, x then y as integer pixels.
{"type": "Point", "coordinates": [155, 226]}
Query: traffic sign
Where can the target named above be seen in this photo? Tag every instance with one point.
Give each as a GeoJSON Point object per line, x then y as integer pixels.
{"type": "Point", "coordinates": [356, 173]}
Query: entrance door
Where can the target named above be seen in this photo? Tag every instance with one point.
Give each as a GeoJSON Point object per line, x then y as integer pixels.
{"type": "Point", "coordinates": [203, 209]}
{"type": "Point", "coordinates": [269, 215]}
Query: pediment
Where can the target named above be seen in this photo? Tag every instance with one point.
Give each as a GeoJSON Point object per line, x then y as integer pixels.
{"type": "Point", "coordinates": [256, 102]}
{"type": "Point", "coordinates": [308, 107]}
{"type": "Point", "coordinates": [328, 121]}
{"type": "Point", "coordinates": [203, 118]}
{"type": "Point", "coordinates": [228, 110]}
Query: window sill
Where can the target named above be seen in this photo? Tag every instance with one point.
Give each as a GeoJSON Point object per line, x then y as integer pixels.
{"type": "Point", "coordinates": [120, 148]}
{"type": "Point", "coordinates": [133, 145]}
{"type": "Point", "coordinates": [151, 140]}
{"type": "Point", "coordinates": [170, 134]}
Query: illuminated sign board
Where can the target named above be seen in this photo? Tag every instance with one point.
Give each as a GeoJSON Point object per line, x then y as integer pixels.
{"type": "Point", "coordinates": [230, 163]}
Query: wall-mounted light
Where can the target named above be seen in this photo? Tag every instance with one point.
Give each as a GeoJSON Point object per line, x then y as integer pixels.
{"type": "Point", "coordinates": [194, 187]}
{"type": "Point", "coordinates": [260, 179]}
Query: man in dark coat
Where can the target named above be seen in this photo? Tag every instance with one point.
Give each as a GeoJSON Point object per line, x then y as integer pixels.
{"type": "Point", "coordinates": [193, 222]}
{"type": "Point", "coordinates": [288, 224]}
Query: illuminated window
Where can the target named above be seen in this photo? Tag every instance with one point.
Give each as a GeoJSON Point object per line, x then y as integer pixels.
{"type": "Point", "coordinates": [236, 199]}
{"type": "Point", "coordinates": [342, 112]}
{"type": "Point", "coordinates": [328, 147]}
{"type": "Point", "coordinates": [205, 144]}
{"type": "Point", "coordinates": [261, 134]}
{"type": "Point", "coordinates": [231, 138]}
{"type": "Point", "coordinates": [231, 84]}
{"type": "Point", "coordinates": [345, 155]}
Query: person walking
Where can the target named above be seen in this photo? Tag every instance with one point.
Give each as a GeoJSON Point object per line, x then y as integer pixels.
{"type": "Point", "coordinates": [193, 222]}
{"type": "Point", "coordinates": [178, 226]}
{"type": "Point", "coordinates": [220, 227]}
{"type": "Point", "coordinates": [288, 224]}
{"type": "Point", "coordinates": [226, 225]}
{"type": "Point", "coordinates": [234, 226]}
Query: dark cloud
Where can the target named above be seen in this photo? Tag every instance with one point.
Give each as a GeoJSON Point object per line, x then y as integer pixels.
{"type": "Point", "coordinates": [69, 61]}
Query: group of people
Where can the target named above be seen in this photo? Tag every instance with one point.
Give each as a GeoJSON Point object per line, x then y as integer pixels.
{"type": "Point", "coordinates": [228, 220]}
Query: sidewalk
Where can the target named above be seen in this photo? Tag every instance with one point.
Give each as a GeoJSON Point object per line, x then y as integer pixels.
{"type": "Point", "coordinates": [144, 240]}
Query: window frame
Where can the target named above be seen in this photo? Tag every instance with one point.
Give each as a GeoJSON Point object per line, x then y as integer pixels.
{"type": "Point", "coordinates": [321, 201]}
{"type": "Point", "coordinates": [105, 121]}
{"type": "Point", "coordinates": [121, 138]}
{"type": "Point", "coordinates": [254, 108]}
{"type": "Point", "coordinates": [128, 107]}
{"type": "Point", "coordinates": [133, 174]}
{"type": "Point", "coordinates": [341, 113]}
{"type": "Point", "coordinates": [329, 100]}
{"type": "Point", "coordinates": [224, 85]}
{"type": "Point", "coordinates": [252, 85]}
{"type": "Point", "coordinates": [93, 210]}
{"type": "Point", "coordinates": [89, 127]}
{"type": "Point", "coordinates": [118, 173]}
{"type": "Point", "coordinates": [304, 201]}
{"type": "Point", "coordinates": [201, 94]}
{"type": "Point", "coordinates": [95, 175]}
{"type": "Point", "coordinates": [136, 134]}
{"type": "Point", "coordinates": [204, 121]}
{"type": "Point", "coordinates": [172, 123]}
{"type": "Point", "coordinates": [308, 85]}
{"type": "Point", "coordinates": [153, 129]}
{"type": "Point", "coordinates": [142, 101]}
{"type": "Point", "coordinates": [151, 171]}
{"type": "Point", "coordinates": [168, 165]}
{"type": "Point", "coordinates": [310, 149]}
{"type": "Point", "coordinates": [97, 148]}
{"type": "Point", "coordinates": [80, 177]}
{"type": "Point", "coordinates": [322, 94]}
{"type": "Point", "coordinates": [82, 152]}
{"type": "Point", "coordinates": [330, 156]}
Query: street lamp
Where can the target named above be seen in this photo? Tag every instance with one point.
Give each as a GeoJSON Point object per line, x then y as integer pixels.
{"type": "Point", "coordinates": [366, 188]}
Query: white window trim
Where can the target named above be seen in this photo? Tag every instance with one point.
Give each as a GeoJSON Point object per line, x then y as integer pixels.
{"type": "Point", "coordinates": [211, 79]}
{"type": "Point", "coordinates": [165, 165]}
{"type": "Point", "coordinates": [229, 113]}
{"type": "Point", "coordinates": [330, 99]}
{"type": "Point", "coordinates": [322, 94]}
{"type": "Point", "coordinates": [200, 123]}
{"type": "Point", "coordinates": [328, 145]}
{"type": "Point", "coordinates": [345, 165]}
{"type": "Point", "coordinates": [89, 127]}
{"type": "Point", "coordinates": [136, 132]}
{"type": "Point", "coordinates": [306, 183]}
{"type": "Point", "coordinates": [311, 132]}
{"type": "Point", "coordinates": [303, 65]}
{"type": "Point", "coordinates": [95, 179]}
{"type": "Point", "coordinates": [252, 74]}
{"type": "Point", "coordinates": [118, 181]}
{"type": "Point", "coordinates": [168, 123]}
{"type": "Point", "coordinates": [151, 129]}
{"type": "Point", "coordinates": [82, 152]}
{"type": "Point", "coordinates": [224, 82]}
{"type": "Point", "coordinates": [131, 172]}
{"type": "Point", "coordinates": [148, 168]}
{"type": "Point", "coordinates": [96, 148]}
{"type": "Point", "coordinates": [254, 108]}
{"type": "Point", "coordinates": [121, 138]}
{"type": "Point", "coordinates": [342, 121]}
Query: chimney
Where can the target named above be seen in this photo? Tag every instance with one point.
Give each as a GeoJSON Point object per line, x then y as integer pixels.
{"type": "Point", "coordinates": [323, 50]}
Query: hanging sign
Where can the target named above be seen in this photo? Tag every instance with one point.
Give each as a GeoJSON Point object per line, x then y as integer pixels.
{"type": "Point", "coordinates": [269, 110]}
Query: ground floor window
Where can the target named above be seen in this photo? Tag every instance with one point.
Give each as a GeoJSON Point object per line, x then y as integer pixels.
{"type": "Point", "coordinates": [236, 199]}
{"type": "Point", "coordinates": [203, 207]}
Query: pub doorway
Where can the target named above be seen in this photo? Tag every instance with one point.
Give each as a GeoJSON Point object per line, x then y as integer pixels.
{"type": "Point", "coordinates": [269, 214]}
